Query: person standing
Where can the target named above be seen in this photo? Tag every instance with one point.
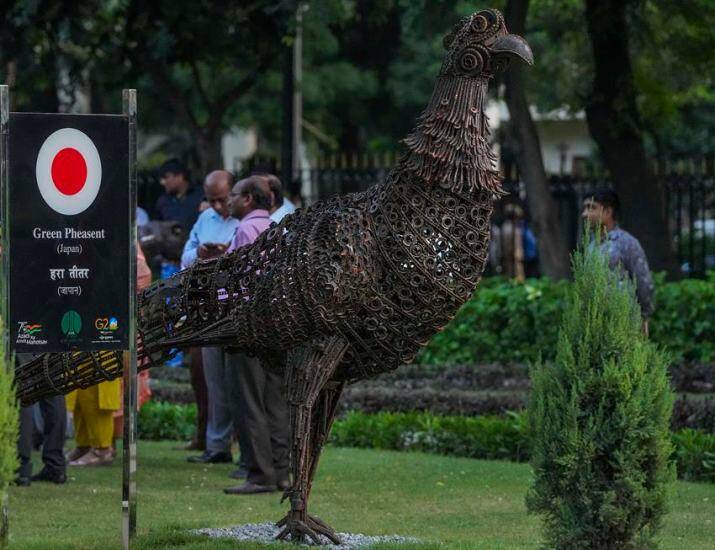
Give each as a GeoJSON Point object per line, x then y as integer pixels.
{"type": "Point", "coordinates": [512, 243]}
{"type": "Point", "coordinates": [93, 410]}
{"type": "Point", "coordinates": [54, 418]}
{"type": "Point", "coordinates": [601, 209]}
{"type": "Point", "coordinates": [209, 238]}
{"type": "Point", "coordinates": [254, 392]}
{"type": "Point", "coordinates": [281, 205]}
{"type": "Point", "coordinates": [181, 200]}
{"type": "Point", "coordinates": [143, 384]}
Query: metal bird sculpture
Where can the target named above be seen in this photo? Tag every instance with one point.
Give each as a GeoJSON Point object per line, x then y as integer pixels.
{"type": "Point", "coordinates": [349, 287]}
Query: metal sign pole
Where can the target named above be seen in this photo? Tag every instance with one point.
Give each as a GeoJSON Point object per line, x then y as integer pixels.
{"type": "Point", "coordinates": [129, 456]}
{"type": "Point", "coordinates": [4, 265]}
{"type": "Point", "coordinates": [5, 214]}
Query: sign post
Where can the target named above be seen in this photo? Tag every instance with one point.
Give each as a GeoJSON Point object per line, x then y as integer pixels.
{"type": "Point", "coordinates": [4, 270]}
{"type": "Point", "coordinates": [69, 234]}
{"type": "Point", "coordinates": [129, 451]}
{"type": "Point", "coordinates": [4, 215]}
{"type": "Point", "coordinates": [68, 192]}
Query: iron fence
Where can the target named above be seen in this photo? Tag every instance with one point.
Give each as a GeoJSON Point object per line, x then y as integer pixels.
{"type": "Point", "coordinates": [690, 198]}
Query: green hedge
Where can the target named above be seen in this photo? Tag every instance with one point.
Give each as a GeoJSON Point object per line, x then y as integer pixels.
{"type": "Point", "coordinates": [485, 437]}
{"type": "Point", "coordinates": [162, 420]}
{"type": "Point", "coordinates": [508, 321]}
{"type": "Point", "coordinates": [489, 437]}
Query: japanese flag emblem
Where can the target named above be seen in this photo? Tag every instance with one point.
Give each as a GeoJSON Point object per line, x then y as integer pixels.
{"type": "Point", "coordinates": [68, 171]}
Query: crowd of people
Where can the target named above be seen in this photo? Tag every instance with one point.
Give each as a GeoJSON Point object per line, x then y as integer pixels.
{"type": "Point", "coordinates": [236, 398]}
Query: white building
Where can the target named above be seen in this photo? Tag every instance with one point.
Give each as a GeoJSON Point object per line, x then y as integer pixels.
{"type": "Point", "coordinates": [566, 144]}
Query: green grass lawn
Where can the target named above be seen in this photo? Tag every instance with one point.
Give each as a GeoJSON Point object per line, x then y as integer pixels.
{"type": "Point", "coordinates": [459, 502]}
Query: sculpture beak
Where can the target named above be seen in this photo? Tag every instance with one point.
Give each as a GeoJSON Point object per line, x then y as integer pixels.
{"type": "Point", "coordinates": [513, 45]}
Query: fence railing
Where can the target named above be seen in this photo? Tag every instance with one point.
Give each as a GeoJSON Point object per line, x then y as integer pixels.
{"type": "Point", "coordinates": [690, 197]}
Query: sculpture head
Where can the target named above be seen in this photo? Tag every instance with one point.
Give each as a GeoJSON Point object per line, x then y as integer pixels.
{"type": "Point", "coordinates": [480, 46]}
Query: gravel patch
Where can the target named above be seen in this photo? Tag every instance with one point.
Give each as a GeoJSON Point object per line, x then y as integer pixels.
{"type": "Point", "coordinates": [266, 532]}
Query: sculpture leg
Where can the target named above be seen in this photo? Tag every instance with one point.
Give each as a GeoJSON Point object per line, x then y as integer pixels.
{"type": "Point", "coordinates": [312, 399]}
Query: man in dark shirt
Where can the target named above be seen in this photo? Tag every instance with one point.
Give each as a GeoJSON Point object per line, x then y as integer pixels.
{"type": "Point", "coordinates": [181, 200]}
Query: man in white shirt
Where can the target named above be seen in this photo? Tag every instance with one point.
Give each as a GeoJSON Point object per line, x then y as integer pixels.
{"type": "Point", "coordinates": [281, 206]}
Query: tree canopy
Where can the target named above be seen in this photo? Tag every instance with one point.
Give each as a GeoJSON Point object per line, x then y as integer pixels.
{"type": "Point", "coordinates": [369, 66]}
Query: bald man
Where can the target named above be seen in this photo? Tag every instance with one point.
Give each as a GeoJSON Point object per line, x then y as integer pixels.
{"type": "Point", "coordinates": [214, 229]}
{"type": "Point", "coordinates": [209, 238]}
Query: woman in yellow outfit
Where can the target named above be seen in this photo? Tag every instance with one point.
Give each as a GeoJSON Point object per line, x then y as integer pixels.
{"type": "Point", "coordinates": [94, 408]}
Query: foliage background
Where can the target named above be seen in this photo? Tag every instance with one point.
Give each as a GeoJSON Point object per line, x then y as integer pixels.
{"type": "Point", "coordinates": [512, 321]}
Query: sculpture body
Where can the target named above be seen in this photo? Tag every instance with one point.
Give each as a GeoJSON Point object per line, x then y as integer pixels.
{"type": "Point", "coordinates": [356, 285]}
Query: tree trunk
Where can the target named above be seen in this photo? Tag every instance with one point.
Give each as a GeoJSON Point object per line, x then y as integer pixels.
{"type": "Point", "coordinates": [616, 125]}
{"type": "Point", "coordinates": [210, 154]}
{"type": "Point", "coordinates": [553, 248]}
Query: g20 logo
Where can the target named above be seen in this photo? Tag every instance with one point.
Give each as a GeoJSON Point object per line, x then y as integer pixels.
{"type": "Point", "coordinates": [106, 323]}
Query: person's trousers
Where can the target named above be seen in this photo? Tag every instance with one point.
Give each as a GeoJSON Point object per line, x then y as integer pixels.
{"type": "Point", "coordinates": [93, 427]}
{"type": "Point", "coordinates": [198, 383]}
{"type": "Point", "coordinates": [54, 416]}
{"type": "Point", "coordinates": [222, 420]}
{"type": "Point", "coordinates": [219, 425]}
{"type": "Point", "coordinates": [262, 418]}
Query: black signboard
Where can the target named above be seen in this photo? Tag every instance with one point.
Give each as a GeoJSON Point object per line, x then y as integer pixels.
{"type": "Point", "coordinates": [68, 232]}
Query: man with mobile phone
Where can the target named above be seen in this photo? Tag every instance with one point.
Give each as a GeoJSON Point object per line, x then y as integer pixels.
{"type": "Point", "coordinates": [209, 238]}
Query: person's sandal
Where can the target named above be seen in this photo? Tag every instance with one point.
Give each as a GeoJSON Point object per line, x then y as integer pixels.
{"type": "Point", "coordinates": [96, 457]}
{"type": "Point", "coordinates": [77, 453]}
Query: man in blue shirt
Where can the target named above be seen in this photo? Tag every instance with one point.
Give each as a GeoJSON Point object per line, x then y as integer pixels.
{"type": "Point", "coordinates": [209, 238]}
{"type": "Point", "coordinates": [214, 229]}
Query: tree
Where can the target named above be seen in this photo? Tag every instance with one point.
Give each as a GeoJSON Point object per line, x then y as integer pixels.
{"type": "Point", "coordinates": [200, 58]}
{"type": "Point", "coordinates": [553, 249]}
{"type": "Point", "coordinates": [599, 419]}
{"type": "Point", "coordinates": [617, 126]}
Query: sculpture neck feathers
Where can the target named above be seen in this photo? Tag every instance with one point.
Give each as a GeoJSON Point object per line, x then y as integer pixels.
{"type": "Point", "coordinates": [449, 148]}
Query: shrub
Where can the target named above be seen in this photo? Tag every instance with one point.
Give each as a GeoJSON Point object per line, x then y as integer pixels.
{"type": "Point", "coordinates": [599, 417]}
{"type": "Point", "coordinates": [507, 321]}
{"type": "Point", "coordinates": [161, 420]}
{"type": "Point", "coordinates": [8, 435]}
{"type": "Point", "coordinates": [695, 455]}
{"type": "Point", "coordinates": [684, 318]}
{"type": "Point", "coordinates": [486, 437]}
{"type": "Point", "coordinates": [413, 391]}
{"type": "Point", "coordinates": [489, 437]}
{"type": "Point", "coordinates": [443, 402]}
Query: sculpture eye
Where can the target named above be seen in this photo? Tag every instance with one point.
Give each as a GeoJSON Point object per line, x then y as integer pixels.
{"type": "Point", "coordinates": [469, 61]}
{"type": "Point", "coordinates": [483, 20]}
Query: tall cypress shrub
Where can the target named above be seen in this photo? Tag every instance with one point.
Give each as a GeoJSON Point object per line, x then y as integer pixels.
{"type": "Point", "coordinates": [599, 420]}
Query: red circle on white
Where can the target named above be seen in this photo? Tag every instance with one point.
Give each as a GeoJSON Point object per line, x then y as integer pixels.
{"type": "Point", "coordinates": [68, 171]}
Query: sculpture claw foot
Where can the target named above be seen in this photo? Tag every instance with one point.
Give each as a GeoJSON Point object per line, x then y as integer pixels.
{"type": "Point", "coordinates": [299, 529]}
